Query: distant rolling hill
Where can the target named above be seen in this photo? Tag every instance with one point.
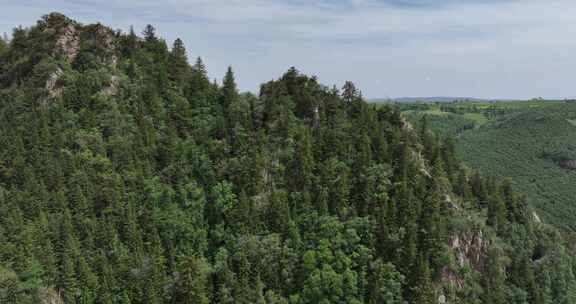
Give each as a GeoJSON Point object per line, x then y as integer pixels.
{"type": "Point", "coordinates": [537, 148]}
{"type": "Point", "coordinates": [424, 99]}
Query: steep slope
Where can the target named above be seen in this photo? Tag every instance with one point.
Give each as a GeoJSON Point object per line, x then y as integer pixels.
{"type": "Point", "coordinates": [126, 176]}
{"type": "Point", "coordinates": [537, 149]}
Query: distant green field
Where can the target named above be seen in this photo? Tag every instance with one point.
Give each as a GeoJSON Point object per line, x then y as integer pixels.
{"type": "Point", "coordinates": [477, 118]}
{"type": "Point", "coordinates": [466, 112]}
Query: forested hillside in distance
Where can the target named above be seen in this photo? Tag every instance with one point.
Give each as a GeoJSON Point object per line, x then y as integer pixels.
{"type": "Point", "coordinates": [537, 148]}
{"type": "Point", "coordinates": [531, 141]}
{"type": "Point", "coordinates": [126, 176]}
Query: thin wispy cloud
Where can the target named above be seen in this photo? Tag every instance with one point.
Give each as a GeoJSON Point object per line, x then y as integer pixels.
{"type": "Point", "coordinates": [484, 48]}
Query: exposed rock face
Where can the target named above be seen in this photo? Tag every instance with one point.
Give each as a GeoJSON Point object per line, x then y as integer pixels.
{"type": "Point", "coordinates": [471, 249]}
{"type": "Point", "coordinates": [568, 164]}
{"type": "Point", "coordinates": [112, 88]}
{"type": "Point", "coordinates": [536, 217]}
{"type": "Point", "coordinates": [65, 32]}
{"type": "Point", "coordinates": [68, 34]}
{"type": "Point", "coordinates": [52, 83]}
{"type": "Point", "coordinates": [564, 159]}
{"type": "Point", "coordinates": [68, 43]}
{"type": "Point", "coordinates": [450, 202]}
{"type": "Point", "coordinates": [49, 296]}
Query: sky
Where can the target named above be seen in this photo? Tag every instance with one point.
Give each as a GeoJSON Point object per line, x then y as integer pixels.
{"type": "Point", "coordinates": [388, 48]}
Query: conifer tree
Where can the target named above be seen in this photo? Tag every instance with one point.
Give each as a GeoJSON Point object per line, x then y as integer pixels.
{"type": "Point", "coordinates": [229, 92]}
{"type": "Point", "coordinates": [199, 85]}
{"type": "Point", "coordinates": [149, 33]}
{"type": "Point", "coordinates": [130, 43]}
{"type": "Point", "coordinates": [303, 162]}
{"type": "Point", "coordinates": [544, 290]}
{"type": "Point", "coordinates": [361, 164]}
{"type": "Point", "coordinates": [3, 45]}
{"type": "Point", "coordinates": [429, 141]}
{"type": "Point", "coordinates": [424, 291]}
{"type": "Point", "coordinates": [448, 153]}
{"type": "Point", "coordinates": [178, 62]}
{"type": "Point", "coordinates": [349, 92]}
{"type": "Point", "coordinates": [496, 213]}
{"type": "Point", "coordinates": [223, 278]}
{"type": "Point", "coordinates": [494, 280]}
{"type": "Point", "coordinates": [87, 281]}
{"type": "Point", "coordinates": [156, 279]}
{"type": "Point", "coordinates": [68, 282]}
{"type": "Point", "coordinates": [385, 284]}
{"type": "Point", "coordinates": [193, 282]}
{"type": "Point", "coordinates": [431, 230]}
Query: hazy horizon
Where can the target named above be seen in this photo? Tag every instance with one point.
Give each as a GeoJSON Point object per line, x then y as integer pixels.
{"type": "Point", "coordinates": [512, 49]}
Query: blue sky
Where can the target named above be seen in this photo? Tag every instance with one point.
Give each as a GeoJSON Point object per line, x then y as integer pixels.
{"type": "Point", "coordinates": [389, 48]}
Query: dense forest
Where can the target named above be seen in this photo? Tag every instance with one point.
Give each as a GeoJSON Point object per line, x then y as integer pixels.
{"type": "Point", "coordinates": [128, 176]}
{"type": "Point", "coordinates": [538, 148]}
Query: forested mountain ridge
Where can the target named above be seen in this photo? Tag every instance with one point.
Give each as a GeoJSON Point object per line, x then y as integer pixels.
{"type": "Point", "coordinates": [126, 176]}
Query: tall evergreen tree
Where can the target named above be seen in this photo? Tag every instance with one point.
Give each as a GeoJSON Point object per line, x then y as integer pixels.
{"type": "Point", "coordinates": [179, 68]}
{"type": "Point", "coordinates": [193, 282]}
{"type": "Point", "coordinates": [493, 281]}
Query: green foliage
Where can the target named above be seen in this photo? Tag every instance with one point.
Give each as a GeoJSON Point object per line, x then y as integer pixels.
{"type": "Point", "coordinates": [529, 141]}
{"type": "Point", "coordinates": [130, 178]}
{"type": "Point", "coordinates": [534, 147]}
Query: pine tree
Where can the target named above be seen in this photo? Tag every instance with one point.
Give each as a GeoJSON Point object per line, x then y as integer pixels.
{"type": "Point", "coordinates": [229, 92]}
{"type": "Point", "coordinates": [3, 45]}
{"type": "Point", "coordinates": [496, 213]}
{"type": "Point", "coordinates": [385, 284]}
{"type": "Point", "coordinates": [149, 33]}
{"type": "Point", "coordinates": [130, 43]}
{"type": "Point", "coordinates": [479, 190]}
{"type": "Point", "coordinates": [193, 281]}
{"type": "Point", "coordinates": [108, 283]}
{"type": "Point", "coordinates": [243, 288]}
{"type": "Point", "coordinates": [301, 169]}
{"type": "Point", "coordinates": [223, 278]}
{"type": "Point", "coordinates": [156, 280]}
{"type": "Point", "coordinates": [133, 233]}
{"type": "Point", "coordinates": [424, 291]}
{"type": "Point", "coordinates": [87, 281]}
{"type": "Point", "coordinates": [515, 207]}
{"type": "Point", "coordinates": [68, 282]}
{"type": "Point", "coordinates": [179, 67]}
{"type": "Point", "coordinates": [432, 233]}
{"type": "Point", "coordinates": [199, 85]}
{"type": "Point", "coordinates": [462, 186]}
{"type": "Point", "coordinates": [429, 141]}
{"type": "Point", "coordinates": [47, 256]}
{"type": "Point", "coordinates": [544, 287]}
{"type": "Point", "coordinates": [361, 164]}
{"type": "Point", "coordinates": [494, 279]}
{"type": "Point", "coordinates": [448, 154]}
{"type": "Point", "coordinates": [349, 92]}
